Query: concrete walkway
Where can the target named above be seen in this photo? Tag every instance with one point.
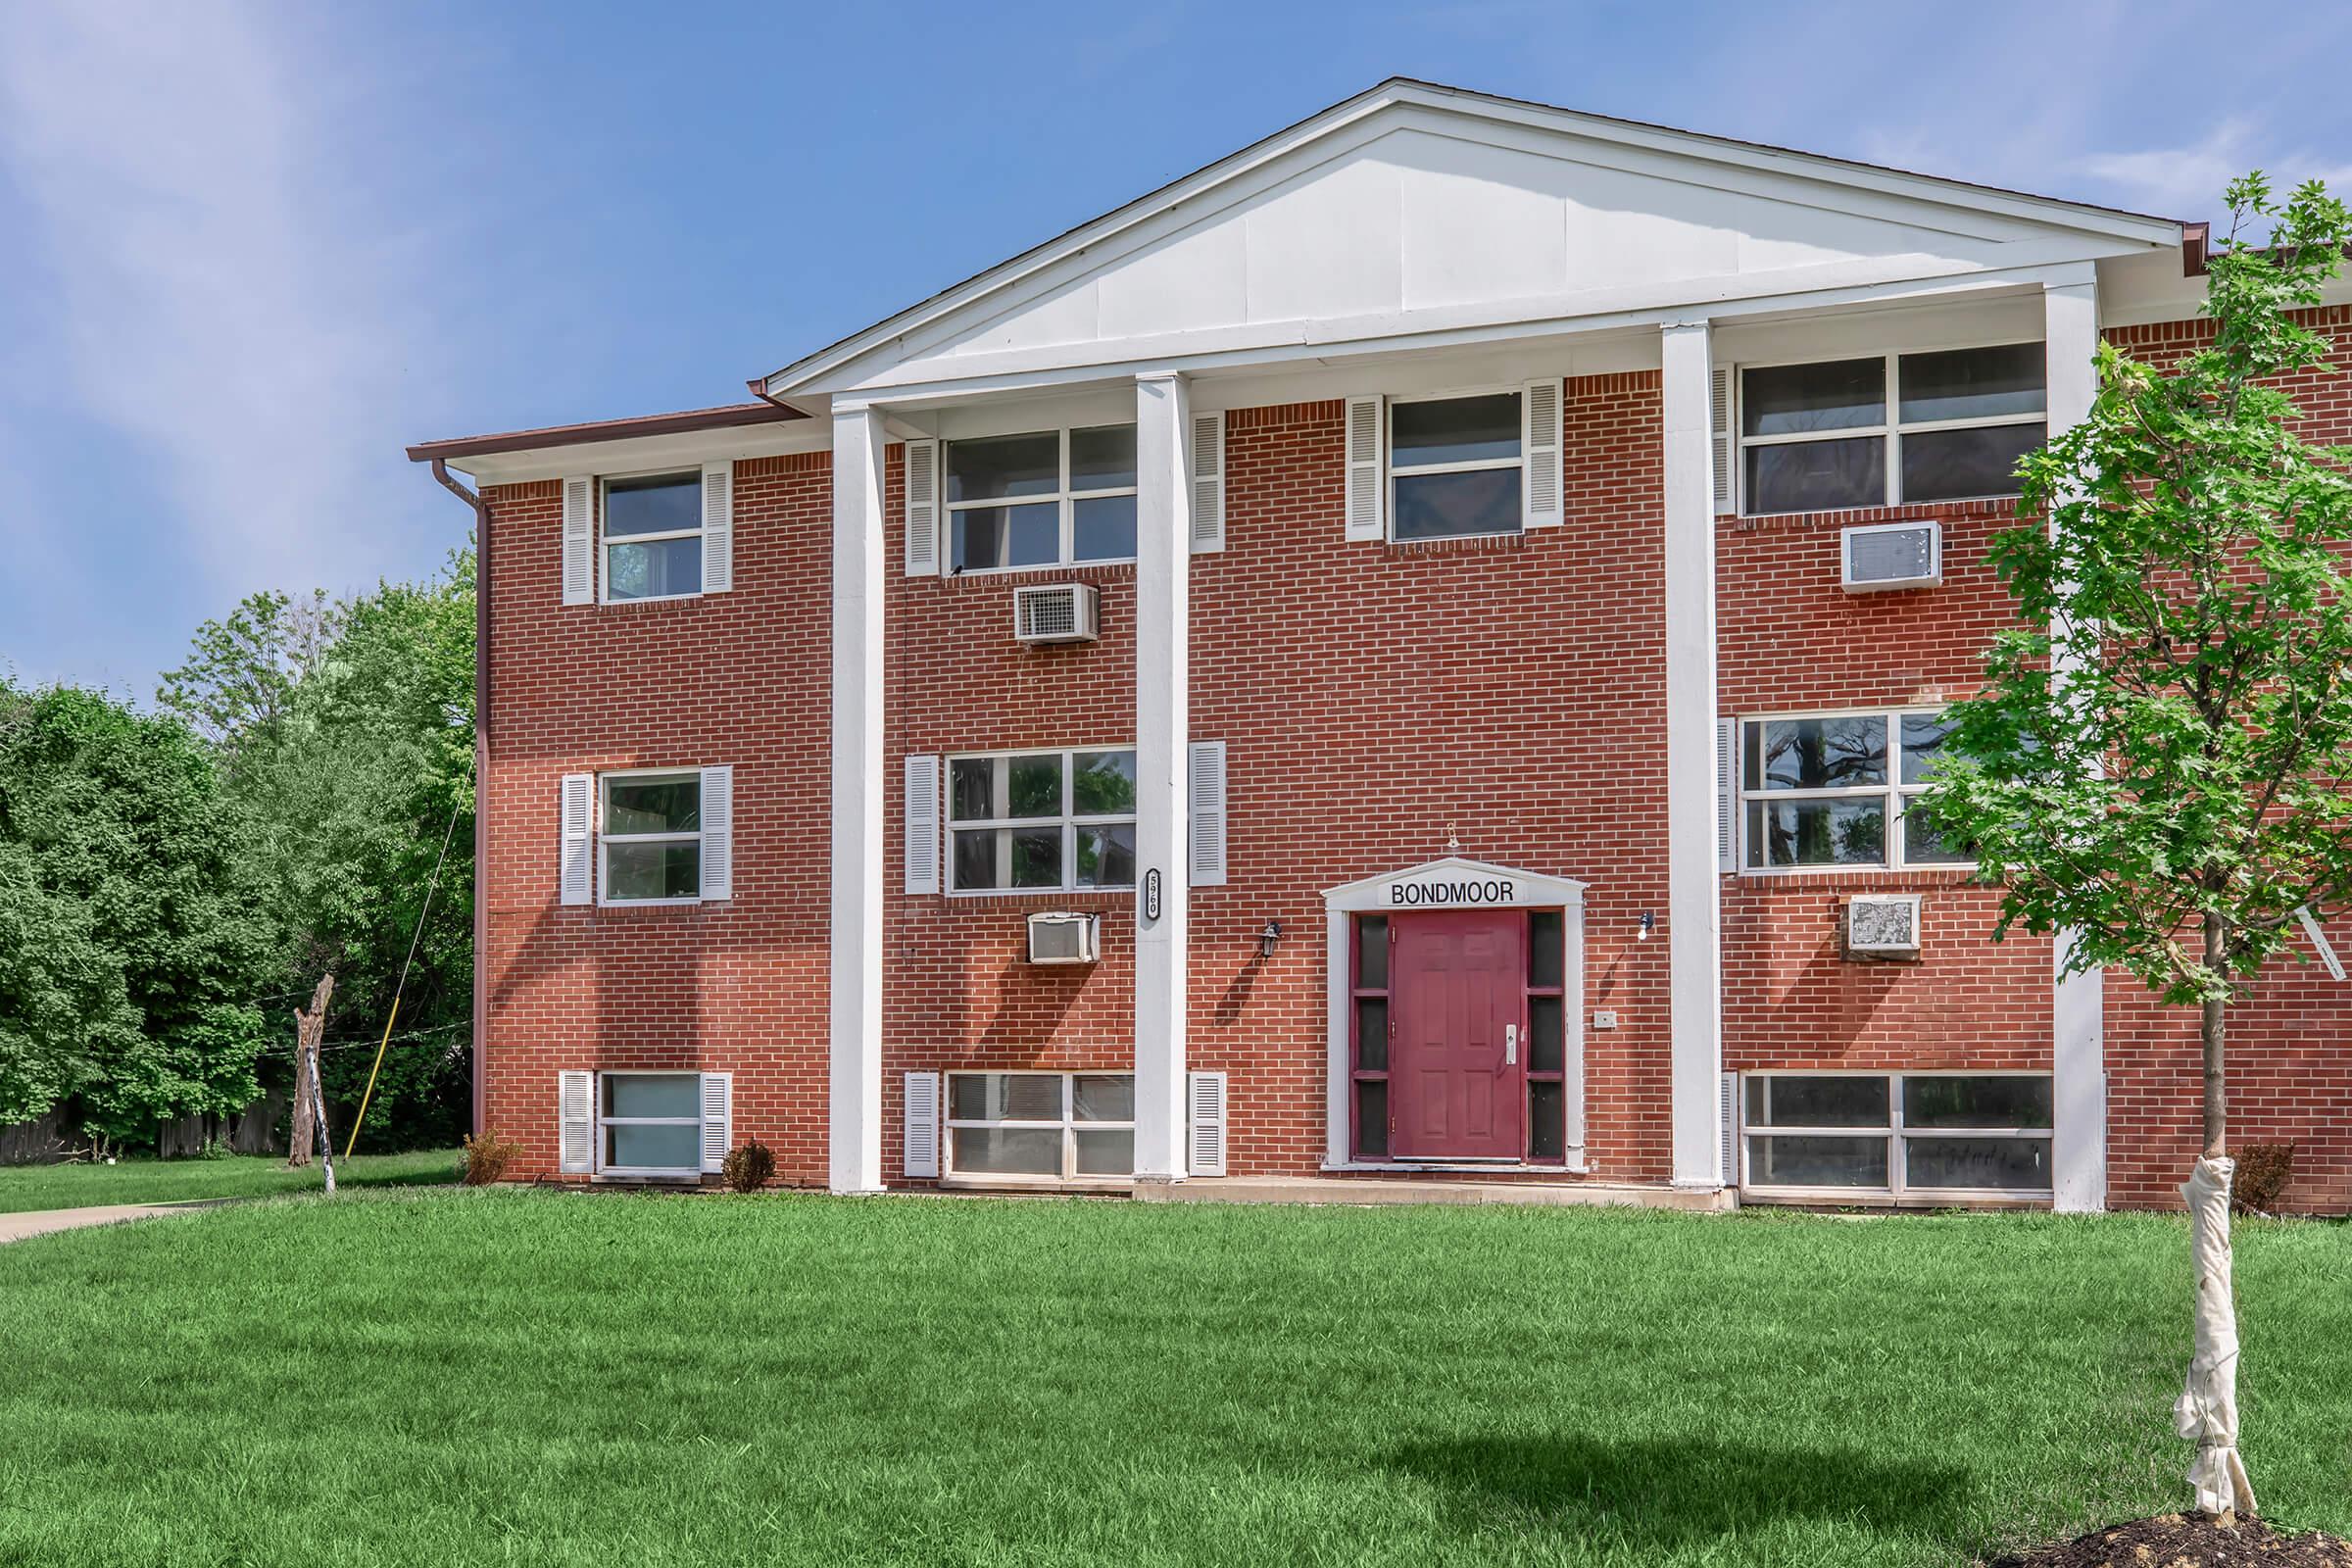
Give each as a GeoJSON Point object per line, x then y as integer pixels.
{"type": "Point", "coordinates": [41, 1221]}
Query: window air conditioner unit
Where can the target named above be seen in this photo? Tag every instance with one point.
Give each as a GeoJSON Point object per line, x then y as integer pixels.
{"type": "Point", "coordinates": [1881, 924]}
{"type": "Point", "coordinates": [1064, 938]}
{"type": "Point", "coordinates": [1892, 555]}
{"type": "Point", "coordinates": [1056, 613]}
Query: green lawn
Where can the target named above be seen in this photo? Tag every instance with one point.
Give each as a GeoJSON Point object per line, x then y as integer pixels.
{"type": "Point", "coordinates": [170, 1181]}
{"type": "Point", "coordinates": [530, 1377]}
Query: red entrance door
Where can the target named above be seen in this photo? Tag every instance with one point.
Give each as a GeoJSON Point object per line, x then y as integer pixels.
{"type": "Point", "coordinates": [1458, 985]}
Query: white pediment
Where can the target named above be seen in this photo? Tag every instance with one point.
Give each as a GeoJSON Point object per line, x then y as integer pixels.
{"type": "Point", "coordinates": [1456, 882]}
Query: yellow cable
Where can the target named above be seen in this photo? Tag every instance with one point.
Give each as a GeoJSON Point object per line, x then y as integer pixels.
{"type": "Point", "coordinates": [353, 1142]}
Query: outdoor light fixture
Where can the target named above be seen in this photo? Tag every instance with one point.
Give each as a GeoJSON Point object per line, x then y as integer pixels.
{"type": "Point", "coordinates": [1650, 923]}
{"type": "Point", "coordinates": [1267, 938]}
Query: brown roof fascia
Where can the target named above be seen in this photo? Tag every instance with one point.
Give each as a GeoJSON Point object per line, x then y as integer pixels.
{"type": "Point", "coordinates": [569, 435]}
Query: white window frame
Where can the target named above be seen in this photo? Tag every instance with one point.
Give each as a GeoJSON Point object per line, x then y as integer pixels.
{"type": "Point", "coordinates": [650, 1172]}
{"type": "Point", "coordinates": [1890, 429]}
{"type": "Point", "coordinates": [1068, 1124]}
{"type": "Point", "coordinates": [604, 794]}
{"type": "Point", "coordinates": [1065, 497]}
{"type": "Point", "coordinates": [1396, 470]}
{"type": "Point", "coordinates": [1069, 821]}
{"type": "Point", "coordinates": [1898, 1186]}
{"type": "Point", "coordinates": [1897, 794]}
{"type": "Point", "coordinates": [605, 543]}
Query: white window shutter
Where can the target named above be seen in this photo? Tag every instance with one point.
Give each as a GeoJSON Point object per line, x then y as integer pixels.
{"type": "Point", "coordinates": [1718, 424]}
{"type": "Point", "coordinates": [1727, 795]}
{"type": "Point", "coordinates": [922, 824]}
{"type": "Point", "coordinates": [579, 540]}
{"type": "Point", "coordinates": [922, 1124]}
{"type": "Point", "coordinates": [719, 1113]}
{"type": "Point", "coordinates": [718, 832]}
{"type": "Point", "coordinates": [1539, 412]}
{"type": "Point", "coordinates": [1205, 1147]}
{"type": "Point", "coordinates": [1208, 481]}
{"type": "Point", "coordinates": [922, 509]}
{"type": "Point", "coordinates": [1206, 848]}
{"type": "Point", "coordinates": [575, 1123]}
{"type": "Point", "coordinates": [1367, 468]}
{"type": "Point", "coordinates": [718, 526]}
{"type": "Point", "coordinates": [1729, 1098]}
{"type": "Point", "coordinates": [579, 839]}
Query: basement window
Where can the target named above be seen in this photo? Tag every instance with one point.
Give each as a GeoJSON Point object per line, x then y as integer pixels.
{"type": "Point", "coordinates": [1946, 1135]}
{"type": "Point", "coordinates": [649, 1123]}
{"type": "Point", "coordinates": [1040, 1127]}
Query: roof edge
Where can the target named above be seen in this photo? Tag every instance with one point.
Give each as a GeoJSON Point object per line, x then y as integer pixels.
{"type": "Point", "coordinates": [726, 416]}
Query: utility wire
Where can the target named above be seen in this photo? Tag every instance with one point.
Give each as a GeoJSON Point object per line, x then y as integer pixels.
{"type": "Point", "coordinates": [415, 935]}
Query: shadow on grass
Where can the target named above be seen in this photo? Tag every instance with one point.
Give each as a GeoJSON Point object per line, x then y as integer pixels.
{"type": "Point", "coordinates": [1666, 1493]}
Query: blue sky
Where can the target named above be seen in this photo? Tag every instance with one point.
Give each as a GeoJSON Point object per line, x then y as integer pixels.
{"type": "Point", "coordinates": [249, 250]}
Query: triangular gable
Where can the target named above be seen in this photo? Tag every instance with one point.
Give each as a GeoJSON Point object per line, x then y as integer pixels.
{"type": "Point", "coordinates": [1454, 882]}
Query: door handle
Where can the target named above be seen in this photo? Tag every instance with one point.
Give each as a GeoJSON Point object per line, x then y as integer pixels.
{"type": "Point", "coordinates": [1510, 1045]}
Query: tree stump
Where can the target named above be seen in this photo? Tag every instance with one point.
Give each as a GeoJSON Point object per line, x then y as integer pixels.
{"type": "Point", "coordinates": [309, 1027]}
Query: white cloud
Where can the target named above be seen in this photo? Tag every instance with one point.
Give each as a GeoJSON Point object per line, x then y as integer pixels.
{"type": "Point", "coordinates": [2188, 181]}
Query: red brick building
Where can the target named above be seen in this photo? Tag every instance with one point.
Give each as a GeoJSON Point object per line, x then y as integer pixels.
{"type": "Point", "coordinates": [1400, 654]}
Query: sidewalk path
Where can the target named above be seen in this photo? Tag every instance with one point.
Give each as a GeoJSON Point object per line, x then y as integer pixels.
{"type": "Point", "coordinates": [41, 1221]}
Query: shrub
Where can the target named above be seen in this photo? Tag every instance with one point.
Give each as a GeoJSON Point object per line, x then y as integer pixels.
{"type": "Point", "coordinates": [750, 1168]}
{"type": "Point", "coordinates": [2263, 1172]}
{"type": "Point", "coordinates": [487, 1158]}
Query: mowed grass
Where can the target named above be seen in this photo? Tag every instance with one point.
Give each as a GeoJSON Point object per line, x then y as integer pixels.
{"type": "Point", "coordinates": [532, 1377]}
{"type": "Point", "coordinates": [170, 1181]}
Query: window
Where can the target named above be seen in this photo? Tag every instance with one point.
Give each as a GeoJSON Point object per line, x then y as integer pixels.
{"type": "Point", "coordinates": [1042, 821]}
{"type": "Point", "coordinates": [1040, 1126]}
{"type": "Point", "coordinates": [1454, 466]}
{"type": "Point", "coordinates": [1818, 437]}
{"type": "Point", "coordinates": [653, 536]}
{"type": "Point", "coordinates": [1908, 1133]}
{"type": "Point", "coordinates": [1045, 499]}
{"type": "Point", "coordinates": [652, 838]}
{"type": "Point", "coordinates": [649, 1123]}
{"type": "Point", "coordinates": [1819, 792]}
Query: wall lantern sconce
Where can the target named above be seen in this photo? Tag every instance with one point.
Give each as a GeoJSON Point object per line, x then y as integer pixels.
{"type": "Point", "coordinates": [1267, 938]}
{"type": "Point", "coordinates": [1650, 923]}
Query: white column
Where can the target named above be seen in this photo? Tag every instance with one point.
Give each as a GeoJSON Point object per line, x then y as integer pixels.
{"type": "Point", "coordinates": [1163, 732]}
{"type": "Point", "coordinates": [2078, 1002]}
{"type": "Point", "coordinates": [1693, 922]}
{"type": "Point", "coordinates": [855, 1164]}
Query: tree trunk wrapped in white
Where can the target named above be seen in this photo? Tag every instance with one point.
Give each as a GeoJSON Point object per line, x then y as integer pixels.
{"type": "Point", "coordinates": [2207, 1410]}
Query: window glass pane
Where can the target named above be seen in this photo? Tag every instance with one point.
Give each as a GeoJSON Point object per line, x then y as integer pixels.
{"type": "Point", "coordinates": [976, 858]}
{"type": "Point", "coordinates": [1035, 785]}
{"type": "Point", "coordinates": [1789, 399]}
{"type": "Point", "coordinates": [1372, 1118]}
{"type": "Point", "coordinates": [1546, 1124]}
{"type": "Point", "coordinates": [1036, 858]}
{"type": "Point", "coordinates": [1372, 953]}
{"type": "Point", "coordinates": [1793, 1101]}
{"type": "Point", "coordinates": [1005, 1096]}
{"type": "Point", "coordinates": [1103, 783]}
{"type": "Point", "coordinates": [1546, 1049]}
{"type": "Point", "coordinates": [1372, 1033]}
{"type": "Point", "coordinates": [1454, 430]}
{"type": "Point", "coordinates": [1105, 856]}
{"type": "Point", "coordinates": [652, 572]}
{"type": "Point", "coordinates": [660, 503]}
{"type": "Point", "coordinates": [1006, 465]}
{"type": "Point", "coordinates": [989, 537]}
{"type": "Point", "coordinates": [672, 1147]}
{"type": "Point", "coordinates": [653, 805]}
{"type": "Point", "coordinates": [1103, 529]}
{"type": "Point", "coordinates": [1922, 845]}
{"type": "Point", "coordinates": [1824, 754]}
{"type": "Point", "coordinates": [1954, 465]}
{"type": "Point", "coordinates": [1816, 475]}
{"type": "Point", "coordinates": [1784, 1161]}
{"type": "Point", "coordinates": [1449, 506]}
{"type": "Point", "coordinates": [654, 1093]}
{"type": "Point", "coordinates": [1544, 953]}
{"type": "Point", "coordinates": [1825, 832]}
{"type": "Point", "coordinates": [1107, 1151]}
{"type": "Point", "coordinates": [2004, 1165]}
{"type": "Point", "coordinates": [1996, 1102]}
{"type": "Point", "coordinates": [1103, 458]}
{"type": "Point", "coordinates": [1006, 1151]}
{"type": "Point", "coordinates": [1104, 1097]}
{"type": "Point", "coordinates": [1971, 383]}
{"type": "Point", "coordinates": [658, 870]}
{"type": "Point", "coordinates": [972, 789]}
{"type": "Point", "coordinates": [1924, 737]}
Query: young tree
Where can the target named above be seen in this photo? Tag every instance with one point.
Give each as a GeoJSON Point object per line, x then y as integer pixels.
{"type": "Point", "coordinates": [2160, 760]}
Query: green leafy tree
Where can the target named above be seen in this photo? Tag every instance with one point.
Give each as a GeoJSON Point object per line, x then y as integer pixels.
{"type": "Point", "coordinates": [2157, 763]}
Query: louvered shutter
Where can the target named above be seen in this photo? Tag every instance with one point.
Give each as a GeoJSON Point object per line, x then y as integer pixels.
{"type": "Point", "coordinates": [1729, 1102]}
{"type": "Point", "coordinates": [579, 877]}
{"type": "Point", "coordinates": [1208, 481]}
{"type": "Point", "coordinates": [718, 832]}
{"type": "Point", "coordinates": [718, 526]}
{"type": "Point", "coordinates": [1367, 484]}
{"type": "Point", "coordinates": [922, 1124]}
{"type": "Point", "coordinates": [1204, 1153]}
{"type": "Point", "coordinates": [922, 824]}
{"type": "Point", "coordinates": [922, 509]}
{"type": "Point", "coordinates": [579, 541]}
{"type": "Point", "coordinates": [1727, 795]}
{"type": "Point", "coordinates": [1540, 412]}
{"type": "Point", "coordinates": [575, 1123]}
{"type": "Point", "coordinates": [1206, 842]}
{"type": "Point", "coordinates": [718, 1111]}
{"type": "Point", "coordinates": [1719, 424]}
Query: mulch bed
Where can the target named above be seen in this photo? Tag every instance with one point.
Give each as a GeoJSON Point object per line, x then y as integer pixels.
{"type": "Point", "coordinates": [2189, 1541]}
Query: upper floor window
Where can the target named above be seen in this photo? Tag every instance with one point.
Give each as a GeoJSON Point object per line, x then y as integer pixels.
{"type": "Point", "coordinates": [1042, 821]}
{"type": "Point", "coordinates": [653, 837]}
{"type": "Point", "coordinates": [1045, 499]}
{"type": "Point", "coordinates": [1837, 790]}
{"type": "Point", "coordinates": [653, 536]}
{"type": "Point", "coordinates": [1820, 437]}
{"type": "Point", "coordinates": [1454, 466]}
